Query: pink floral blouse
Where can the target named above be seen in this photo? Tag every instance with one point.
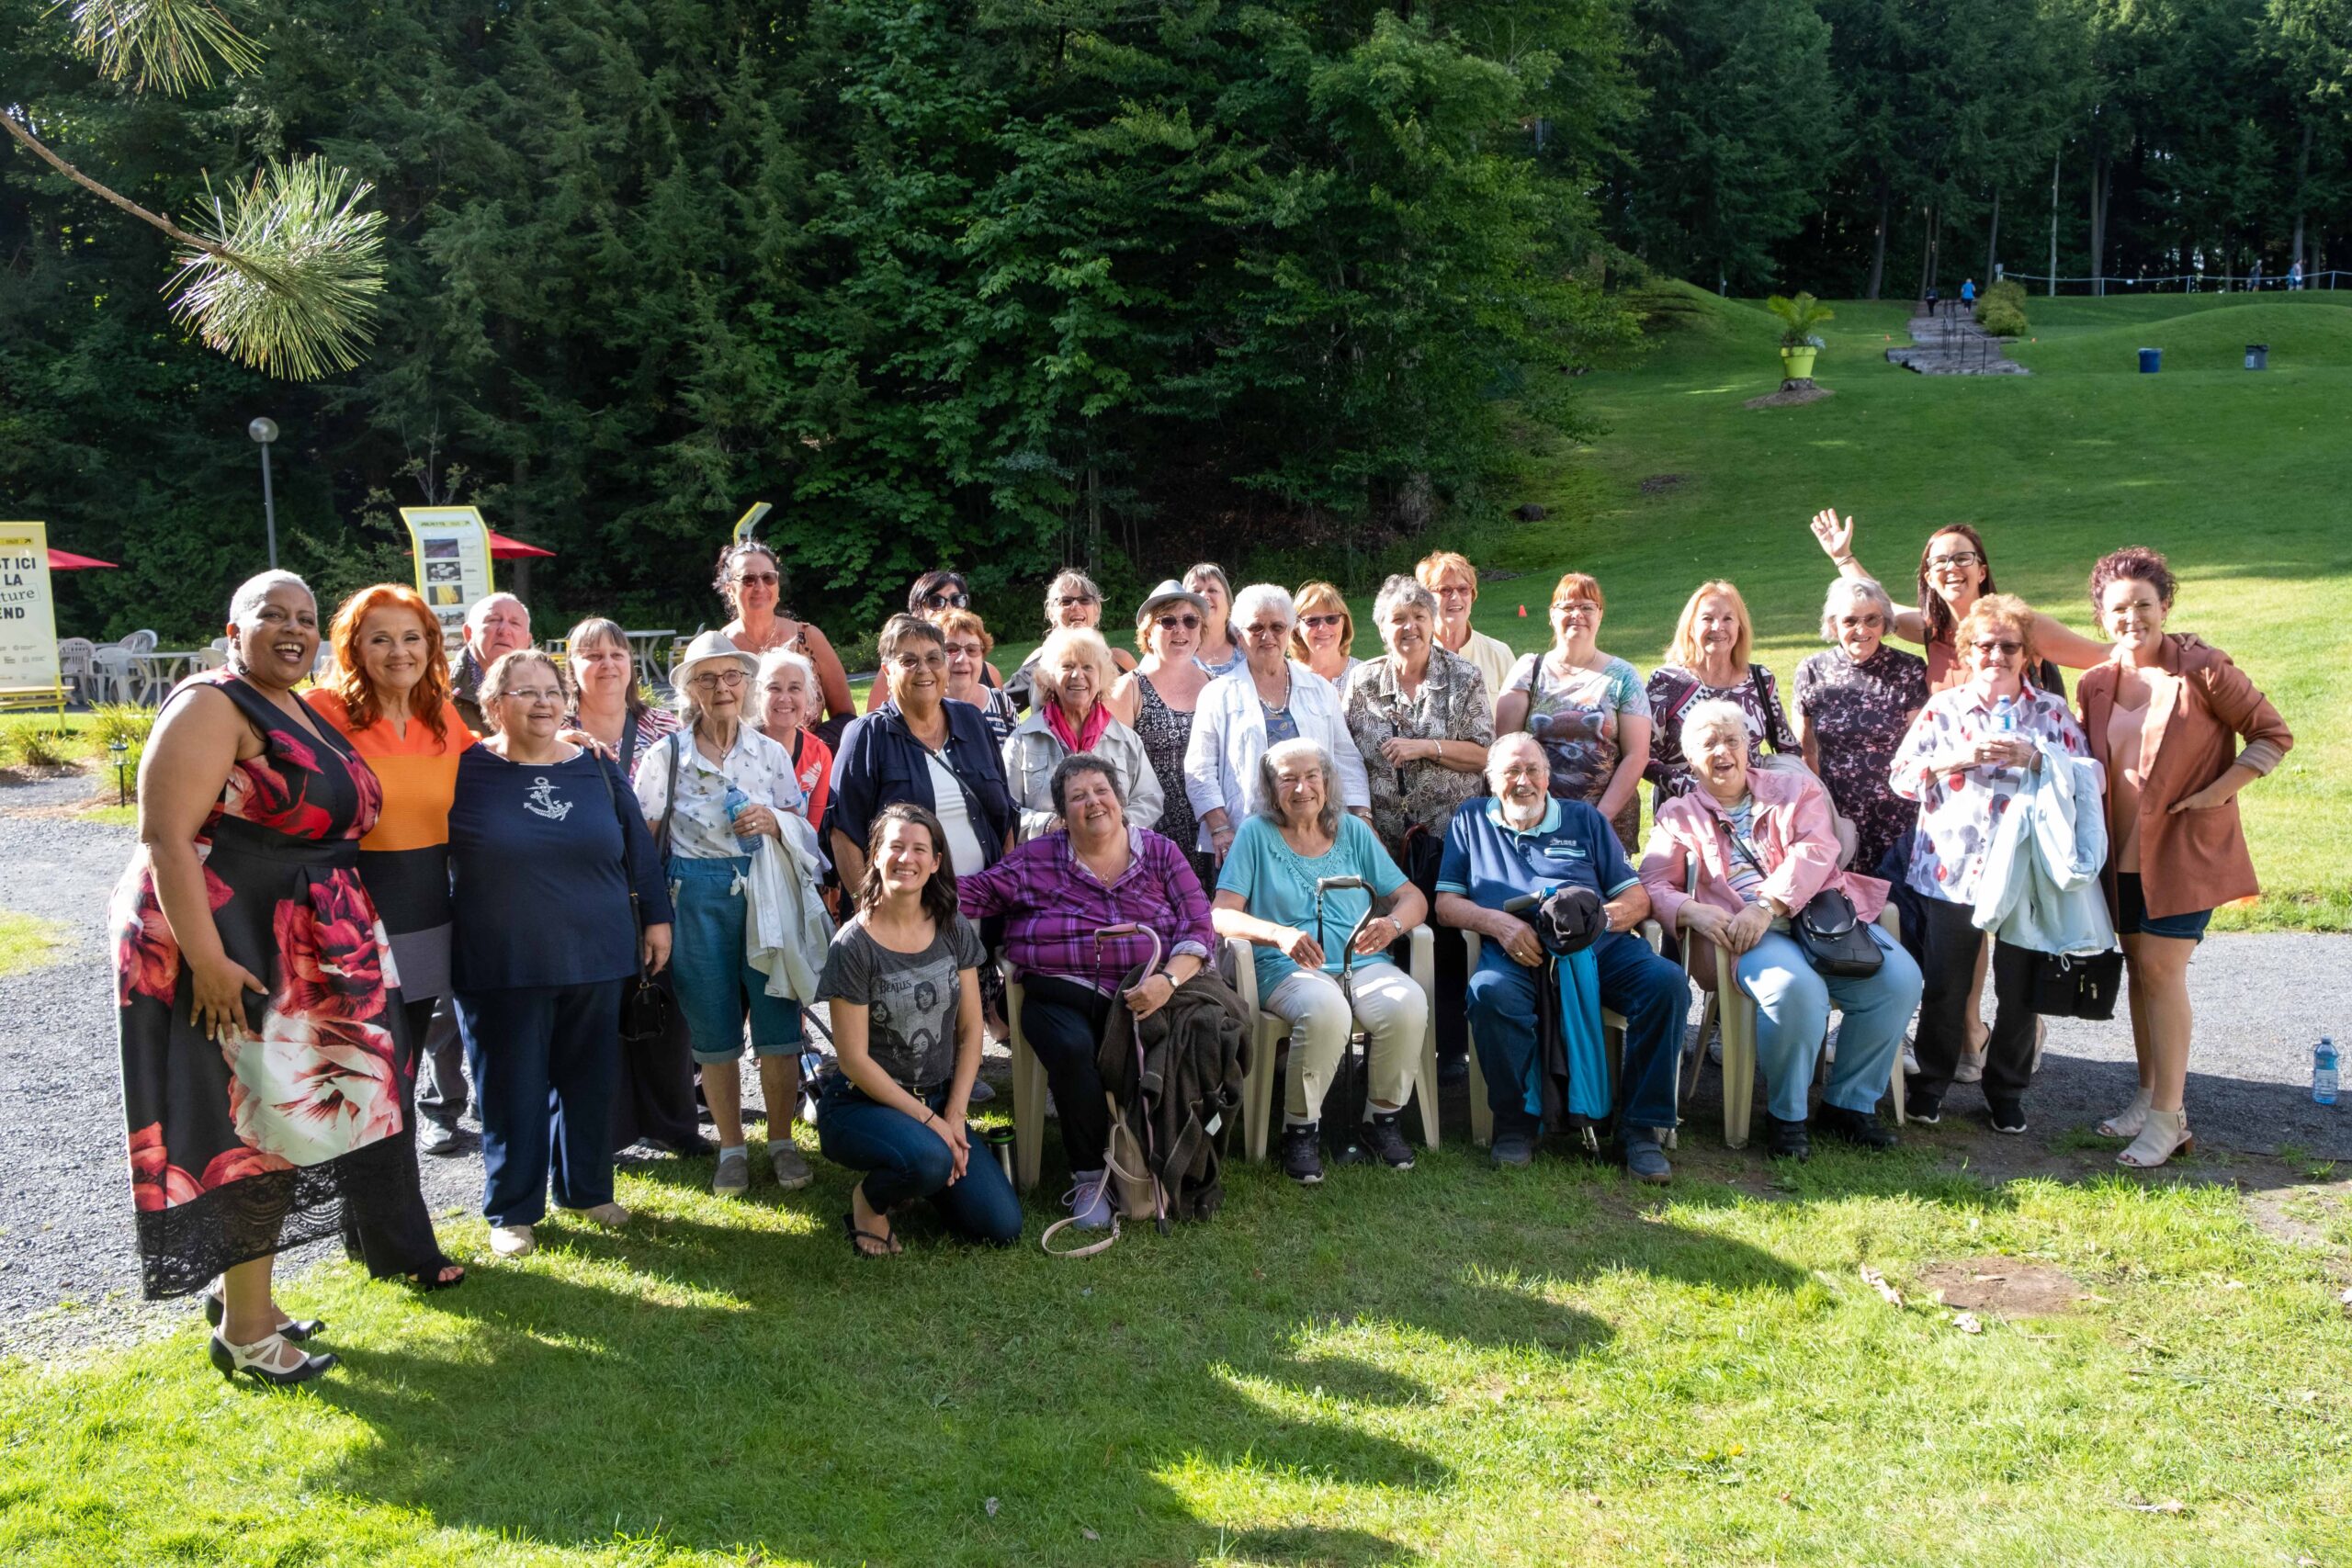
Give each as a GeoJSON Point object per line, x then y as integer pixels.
{"type": "Point", "coordinates": [1958, 810]}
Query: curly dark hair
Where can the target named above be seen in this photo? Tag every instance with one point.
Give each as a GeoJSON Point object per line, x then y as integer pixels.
{"type": "Point", "coordinates": [2135, 562]}
{"type": "Point", "coordinates": [938, 892]}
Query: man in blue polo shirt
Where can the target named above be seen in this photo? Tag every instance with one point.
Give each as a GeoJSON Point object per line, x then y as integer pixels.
{"type": "Point", "coordinates": [1523, 842]}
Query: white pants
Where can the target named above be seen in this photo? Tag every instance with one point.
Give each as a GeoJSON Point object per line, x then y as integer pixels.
{"type": "Point", "coordinates": [1395, 1013]}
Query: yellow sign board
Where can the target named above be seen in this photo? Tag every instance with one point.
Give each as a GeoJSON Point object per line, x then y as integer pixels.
{"type": "Point", "coordinates": [452, 548]}
{"type": "Point", "coordinates": [27, 612]}
{"type": "Point", "coordinates": [750, 519]}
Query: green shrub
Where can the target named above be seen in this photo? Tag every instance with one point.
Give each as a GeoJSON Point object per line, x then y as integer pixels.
{"type": "Point", "coordinates": [42, 748]}
{"type": "Point", "coordinates": [126, 722]}
{"type": "Point", "coordinates": [2000, 310]}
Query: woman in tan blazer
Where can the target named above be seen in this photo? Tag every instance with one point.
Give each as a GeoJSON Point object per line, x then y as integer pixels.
{"type": "Point", "coordinates": [2164, 715]}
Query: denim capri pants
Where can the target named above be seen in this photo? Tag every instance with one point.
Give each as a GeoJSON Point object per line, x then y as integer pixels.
{"type": "Point", "coordinates": [708, 970]}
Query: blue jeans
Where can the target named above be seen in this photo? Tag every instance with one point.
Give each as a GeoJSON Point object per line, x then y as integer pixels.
{"type": "Point", "coordinates": [714, 982]}
{"type": "Point", "coordinates": [521, 1044]}
{"type": "Point", "coordinates": [1646, 989]}
{"type": "Point", "coordinates": [903, 1160]}
{"type": "Point", "coordinates": [1792, 1002]}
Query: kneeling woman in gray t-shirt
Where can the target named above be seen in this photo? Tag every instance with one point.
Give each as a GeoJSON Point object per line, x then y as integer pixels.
{"type": "Point", "coordinates": [903, 986]}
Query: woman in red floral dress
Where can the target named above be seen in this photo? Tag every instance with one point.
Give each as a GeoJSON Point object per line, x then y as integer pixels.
{"type": "Point", "coordinates": [261, 1041]}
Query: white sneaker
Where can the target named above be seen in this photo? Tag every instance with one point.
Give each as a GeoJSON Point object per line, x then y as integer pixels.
{"type": "Point", "coordinates": [1971, 1068]}
{"type": "Point", "coordinates": [1910, 1061]}
{"type": "Point", "coordinates": [512, 1241]}
{"type": "Point", "coordinates": [1088, 1205]}
{"type": "Point", "coordinates": [612, 1216]}
{"type": "Point", "coordinates": [1715, 1046]}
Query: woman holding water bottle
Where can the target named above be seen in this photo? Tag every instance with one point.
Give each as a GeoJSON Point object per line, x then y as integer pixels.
{"type": "Point", "coordinates": [1964, 759]}
{"type": "Point", "coordinates": [710, 793]}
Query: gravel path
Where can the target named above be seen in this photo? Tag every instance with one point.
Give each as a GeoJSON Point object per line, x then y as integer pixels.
{"type": "Point", "coordinates": [68, 1273]}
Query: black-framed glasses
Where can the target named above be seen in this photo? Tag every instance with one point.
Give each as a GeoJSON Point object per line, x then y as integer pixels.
{"type": "Point", "coordinates": [1071, 601]}
{"type": "Point", "coordinates": [945, 599]}
{"type": "Point", "coordinates": [1958, 557]}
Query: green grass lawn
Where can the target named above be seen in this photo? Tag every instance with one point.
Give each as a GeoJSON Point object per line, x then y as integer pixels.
{"type": "Point", "coordinates": [1446, 1366]}
{"type": "Point", "coordinates": [2239, 479]}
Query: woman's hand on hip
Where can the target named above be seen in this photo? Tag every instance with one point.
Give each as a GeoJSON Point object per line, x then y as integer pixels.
{"type": "Point", "coordinates": [653, 949]}
{"type": "Point", "coordinates": [217, 998]}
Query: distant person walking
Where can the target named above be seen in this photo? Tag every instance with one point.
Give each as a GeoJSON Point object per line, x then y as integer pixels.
{"type": "Point", "coordinates": [1968, 294]}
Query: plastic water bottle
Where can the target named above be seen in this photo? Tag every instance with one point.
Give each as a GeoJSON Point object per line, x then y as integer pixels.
{"type": "Point", "coordinates": [2004, 715]}
{"type": "Point", "coordinates": [2324, 1072]}
{"type": "Point", "coordinates": [736, 801]}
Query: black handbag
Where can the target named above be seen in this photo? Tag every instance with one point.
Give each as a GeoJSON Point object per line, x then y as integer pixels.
{"type": "Point", "coordinates": [1835, 939]}
{"type": "Point", "coordinates": [2078, 985]}
{"type": "Point", "coordinates": [647, 1006]}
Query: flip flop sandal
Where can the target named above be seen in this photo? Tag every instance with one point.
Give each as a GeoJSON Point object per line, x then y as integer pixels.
{"type": "Point", "coordinates": [859, 1237]}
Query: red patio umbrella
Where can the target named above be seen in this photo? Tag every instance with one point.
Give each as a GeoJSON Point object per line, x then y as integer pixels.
{"type": "Point", "coordinates": [502, 547]}
{"type": "Point", "coordinates": [66, 560]}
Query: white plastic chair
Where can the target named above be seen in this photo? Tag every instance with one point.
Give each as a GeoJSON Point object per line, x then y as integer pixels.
{"type": "Point", "coordinates": [1612, 1026]}
{"type": "Point", "coordinates": [1273, 1039]}
{"type": "Point", "coordinates": [1028, 1091]}
{"type": "Point", "coordinates": [75, 666]}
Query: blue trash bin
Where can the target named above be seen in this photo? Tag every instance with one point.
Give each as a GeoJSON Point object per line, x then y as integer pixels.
{"type": "Point", "coordinates": [2258, 357]}
{"type": "Point", "coordinates": [2151, 361]}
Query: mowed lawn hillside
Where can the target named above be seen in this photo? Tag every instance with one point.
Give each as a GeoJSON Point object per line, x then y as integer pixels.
{"type": "Point", "coordinates": [2243, 481]}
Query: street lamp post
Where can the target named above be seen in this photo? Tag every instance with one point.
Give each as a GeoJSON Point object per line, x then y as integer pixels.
{"type": "Point", "coordinates": [265, 430]}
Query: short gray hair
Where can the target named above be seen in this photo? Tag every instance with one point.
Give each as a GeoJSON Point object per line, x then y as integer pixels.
{"type": "Point", "coordinates": [1079, 762]}
{"type": "Point", "coordinates": [1076, 579]}
{"type": "Point", "coordinates": [480, 608]}
{"type": "Point", "coordinates": [1509, 743]}
{"type": "Point", "coordinates": [1843, 592]}
{"type": "Point", "coordinates": [1269, 783]}
{"type": "Point", "coordinates": [1400, 589]}
{"type": "Point", "coordinates": [771, 662]}
{"type": "Point", "coordinates": [1260, 596]}
{"type": "Point", "coordinates": [246, 601]}
{"type": "Point", "coordinates": [1706, 718]}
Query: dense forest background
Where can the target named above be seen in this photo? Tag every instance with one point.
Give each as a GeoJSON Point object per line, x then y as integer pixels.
{"type": "Point", "coordinates": [1002, 283]}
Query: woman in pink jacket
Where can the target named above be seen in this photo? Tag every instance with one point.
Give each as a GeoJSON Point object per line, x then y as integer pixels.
{"type": "Point", "coordinates": [1764, 843]}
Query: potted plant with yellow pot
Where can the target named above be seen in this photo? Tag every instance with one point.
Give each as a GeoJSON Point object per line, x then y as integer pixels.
{"type": "Point", "coordinates": [1799, 342]}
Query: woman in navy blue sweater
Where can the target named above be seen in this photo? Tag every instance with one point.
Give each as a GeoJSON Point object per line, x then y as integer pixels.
{"type": "Point", "coordinates": [546, 852]}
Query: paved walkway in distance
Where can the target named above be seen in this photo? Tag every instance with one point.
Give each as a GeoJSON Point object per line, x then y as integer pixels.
{"type": "Point", "coordinates": [1950, 343]}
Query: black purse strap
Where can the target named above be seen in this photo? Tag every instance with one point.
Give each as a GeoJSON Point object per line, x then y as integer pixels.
{"type": "Point", "coordinates": [679, 739]}
{"type": "Point", "coordinates": [629, 855]}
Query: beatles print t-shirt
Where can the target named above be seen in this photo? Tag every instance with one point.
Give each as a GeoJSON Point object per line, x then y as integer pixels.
{"type": "Point", "coordinates": [909, 998]}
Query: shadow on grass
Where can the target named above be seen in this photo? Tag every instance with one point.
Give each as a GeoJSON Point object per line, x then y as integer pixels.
{"type": "Point", "coordinates": [726, 1387]}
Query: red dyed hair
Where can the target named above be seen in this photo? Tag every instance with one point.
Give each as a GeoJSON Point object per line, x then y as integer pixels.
{"type": "Point", "coordinates": [429, 699]}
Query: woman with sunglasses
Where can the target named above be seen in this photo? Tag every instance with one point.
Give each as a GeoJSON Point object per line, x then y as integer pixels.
{"type": "Point", "coordinates": [1964, 759]}
{"type": "Point", "coordinates": [752, 582]}
{"type": "Point", "coordinates": [1326, 637]}
{"type": "Point", "coordinates": [1072, 603]}
{"type": "Point", "coordinates": [934, 595]}
{"type": "Point", "coordinates": [1157, 700]}
{"type": "Point", "coordinates": [1955, 570]}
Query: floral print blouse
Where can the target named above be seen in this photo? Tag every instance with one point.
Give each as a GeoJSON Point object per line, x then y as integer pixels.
{"type": "Point", "coordinates": [1451, 705]}
{"type": "Point", "coordinates": [1674, 691]}
{"type": "Point", "coordinates": [1958, 810]}
{"type": "Point", "coordinates": [1858, 714]}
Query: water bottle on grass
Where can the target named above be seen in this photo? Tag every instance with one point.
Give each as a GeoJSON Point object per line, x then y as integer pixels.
{"type": "Point", "coordinates": [2324, 1072]}
{"type": "Point", "coordinates": [736, 801]}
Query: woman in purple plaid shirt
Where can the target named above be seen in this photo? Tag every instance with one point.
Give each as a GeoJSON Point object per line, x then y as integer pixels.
{"type": "Point", "coordinates": [1055, 892]}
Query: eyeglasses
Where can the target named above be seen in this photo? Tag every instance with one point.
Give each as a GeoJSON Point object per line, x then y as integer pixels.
{"type": "Point", "coordinates": [532, 695]}
{"type": "Point", "coordinates": [1570, 607]}
{"type": "Point", "coordinates": [932, 659]}
{"type": "Point", "coordinates": [1263, 631]}
{"type": "Point", "coordinates": [1958, 557]}
{"type": "Point", "coordinates": [948, 600]}
{"type": "Point", "coordinates": [769, 577]}
{"type": "Point", "coordinates": [1070, 600]}
{"type": "Point", "coordinates": [964, 650]}
{"type": "Point", "coordinates": [1169, 623]}
{"type": "Point", "coordinates": [1319, 621]}
{"type": "Point", "coordinates": [1867, 623]}
{"type": "Point", "coordinates": [710, 680]}
{"type": "Point", "coordinates": [2005, 648]}
{"type": "Point", "coordinates": [1523, 770]}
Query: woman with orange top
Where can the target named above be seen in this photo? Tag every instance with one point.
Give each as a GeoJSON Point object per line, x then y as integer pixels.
{"type": "Point", "coordinates": [389, 698]}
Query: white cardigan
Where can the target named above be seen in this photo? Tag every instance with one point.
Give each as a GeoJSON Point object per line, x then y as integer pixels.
{"type": "Point", "coordinates": [1229, 736]}
{"type": "Point", "coordinates": [1033, 752]}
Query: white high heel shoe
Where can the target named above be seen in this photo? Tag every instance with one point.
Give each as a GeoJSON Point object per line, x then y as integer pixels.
{"type": "Point", "coordinates": [2127, 1122]}
{"type": "Point", "coordinates": [2165, 1134]}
